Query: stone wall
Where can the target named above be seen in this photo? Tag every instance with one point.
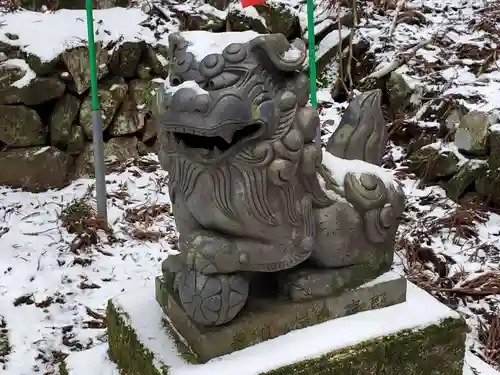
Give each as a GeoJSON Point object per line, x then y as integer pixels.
{"type": "Point", "coordinates": [45, 106]}
{"type": "Point", "coordinates": [46, 122]}
{"type": "Point", "coordinates": [465, 162]}
{"type": "Point", "coordinates": [45, 103]}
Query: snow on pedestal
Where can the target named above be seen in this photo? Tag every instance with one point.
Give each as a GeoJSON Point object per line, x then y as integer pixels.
{"type": "Point", "coordinates": [419, 336]}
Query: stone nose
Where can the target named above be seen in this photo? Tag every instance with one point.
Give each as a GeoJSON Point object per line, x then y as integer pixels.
{"type": "Point", "coordinates": [188, 100]}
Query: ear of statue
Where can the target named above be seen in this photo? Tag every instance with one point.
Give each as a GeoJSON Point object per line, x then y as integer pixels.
{"type": "Point", "coordinates": [275, 52]}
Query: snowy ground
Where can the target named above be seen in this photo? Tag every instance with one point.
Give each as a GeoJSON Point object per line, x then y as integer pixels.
{"type": "Point", "coordinates": [53, 286]}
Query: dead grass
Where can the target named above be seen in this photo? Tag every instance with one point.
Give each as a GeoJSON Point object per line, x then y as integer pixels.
{"type": "Point", "coordinates": [146, 213]}
{"type": "Point", "coordinates": [143, 217]}
{"type": "Point", "coordinates": [461, 221]}
{"type": "Point", "coordinates": [489, 335]}
{"type": "Point", "coordinates": [10, 5]}
{"type": "Point", "coordinates": [431, 270]}
{"type": "Point", "coordinates": [79, 217]}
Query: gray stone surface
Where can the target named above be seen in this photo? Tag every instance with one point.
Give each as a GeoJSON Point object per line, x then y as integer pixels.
{"type": "Point", "coordinates": [266, 318]}
{"type": "Point", "coordinates": [238, 142]}
{"type": "Point", "coordinates": [362, 123]}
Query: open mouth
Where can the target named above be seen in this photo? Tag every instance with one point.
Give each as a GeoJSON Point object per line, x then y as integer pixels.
{"type": "Point", "coordinates": [214, 146]}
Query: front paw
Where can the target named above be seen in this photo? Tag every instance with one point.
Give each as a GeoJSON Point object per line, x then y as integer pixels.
{"type": "Point", "coordinates": [208, 253]}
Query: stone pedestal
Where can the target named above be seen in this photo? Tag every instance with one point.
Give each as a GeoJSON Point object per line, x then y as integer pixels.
{"type": "Point", "coordinates": [414, 337]}
{"type": "Point", "coordinates": [266, 318]}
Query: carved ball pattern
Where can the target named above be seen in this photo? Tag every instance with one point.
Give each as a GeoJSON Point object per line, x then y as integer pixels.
{"type": "Point", "coordinates": [183, 62]}
{"type": "Point", "coordinates": [287, 101]}
{"type": "Point", "coordinates": [368, 181]}
{"type": "Point", "coordinates": [212, 300]}
{"type": "Point", "coordinates": [211, 65]}
{"type": "Point", "coordinates": [235, 53]}
{"type": "Point", "coordinates": [308, 122]}
{"type": "Point", "coordinates": [293, 140]}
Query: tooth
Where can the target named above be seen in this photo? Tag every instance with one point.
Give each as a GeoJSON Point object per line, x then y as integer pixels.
{"type": "Point", "coordinates": [182, 144]}
{"type": "Point", "coordinates": [217, 152]}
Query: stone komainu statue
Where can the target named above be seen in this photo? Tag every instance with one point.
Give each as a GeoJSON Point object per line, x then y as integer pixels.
{"type": "Point", "coordinates": [248, 187]}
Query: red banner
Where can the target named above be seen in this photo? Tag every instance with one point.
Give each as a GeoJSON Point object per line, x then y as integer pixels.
{"type": "Point", "coordinates": [249, 3]}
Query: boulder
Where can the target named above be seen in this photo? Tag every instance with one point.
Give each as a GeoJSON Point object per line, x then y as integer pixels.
{"type": "Point", "coordinates": [327, 49]}
{"type": "Point", "coordinates": [494, 146]}
{"type": "Point", "coordinates": [280, 18]}
{"type": "Point", "coordinates": [421, 141]}
{"type": "Point", "coordinates": [453, 118]}
{"type": "Point", "coordinates": [61, 120]}
{"type": "Point", "coordinates": [131, 115]}
{"type": "Point", "coordinates": [487, 186]}
{"type": "Point", "coordinates": [77, 63]}
{"type": "Point", "coordinates": [471, 135]}
{"type": "Point", "coordinates": [435, 161]}
{"type": "Point", "coordinates": [471, 198]}
{"type": "Point", "coordinates": [157, 59]}
{"type": "Point", "coordinates": [239, 20]}
{"type": "Point", "coordinates": [149, 132]}
{"type": "Point", "coordinates": [144, 71]}
{"type": "Point", "coordinates": [398, 91]}
{"type": "Point", "coordinates": [126, 122]}
{"type": "Point", "coordinates": [465, 177]}
{"type": "Point", "coordinates": [112, 92]}
{"type": "Point", "coordinates": [34, 169]}
{"type": "Point", "coordinates": [142, 149]}
{"type": "Point", "coordinates": [76, 142]}
{"type": "Point", "coordinates": [200, 18]}
{"type": "Point", "coordinates": [39, 66]}
{"type": "Point", "coordinates": [21, 126]}
{"type": "Point", "coordinates": [125, 59]}
{"type": "Point", "coordinates": [219, 4]}
{"type": "Point", "coordinates": [116, 151]}
{"type": "Point", "coordinates": [11, 73]}
{"type": "Point", "coordinates": [35, 5]}
{"type": "Point", "coordinates": [142, 93]}
{"type": "Point", "coordinates": [19, 84]}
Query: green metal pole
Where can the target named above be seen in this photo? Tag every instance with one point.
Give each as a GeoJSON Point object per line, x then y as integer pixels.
{"type": "Point", "coordinates": [312, 59]}
{"type": "Point", "coordinates": [100, 177]}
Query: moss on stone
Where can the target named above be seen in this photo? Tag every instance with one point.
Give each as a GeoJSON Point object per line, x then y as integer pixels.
{"type": "Point", "coordinates": [434, 350]}
{"type": "Point", "coordinates": [186, 354]}
{"type": "Point", "coordinates": [280, 19]}
{"type": "Point", "coordinates": [63, 369]}
{"type": "Point", "coordinates": [465, 177]}
{"type": "Point", "coordinates": [125, 348]}
{"type": "Point", "coordinates": [5, 347]}
{"type": "Point", "coordinates": [263, 319]}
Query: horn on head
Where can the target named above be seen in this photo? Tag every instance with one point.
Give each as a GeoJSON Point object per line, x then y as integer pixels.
{"type": "Point", "coordinates": [275, 51]}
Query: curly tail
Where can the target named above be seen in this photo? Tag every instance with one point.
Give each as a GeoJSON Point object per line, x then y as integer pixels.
{"type": "Point", "coordinates": [362, 133]}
